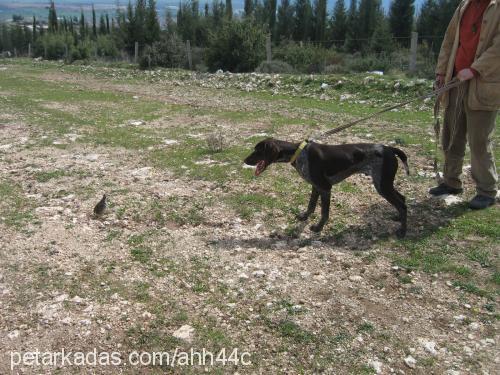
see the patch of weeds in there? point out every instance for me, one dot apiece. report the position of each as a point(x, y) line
point(463, 271)
point(114, 233)
point(141, 291)
point(14, 207)
point(247, 204)
point(480, 256)
point(404, 279)
point(348, 187)
point(472, 288)
point(496, 278)
point(141, 254)
point(366, 327)
point(292, 330)
point(47, 176)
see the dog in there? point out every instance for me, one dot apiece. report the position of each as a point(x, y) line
point(326, 165)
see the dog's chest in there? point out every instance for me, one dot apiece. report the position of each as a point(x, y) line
point(301, 165)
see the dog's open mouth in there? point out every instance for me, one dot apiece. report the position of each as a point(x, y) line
point(261, 166)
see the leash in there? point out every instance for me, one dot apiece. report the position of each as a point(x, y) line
point(455, 82)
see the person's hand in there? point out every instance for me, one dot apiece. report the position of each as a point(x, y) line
point(465, 74)
point(439, 82)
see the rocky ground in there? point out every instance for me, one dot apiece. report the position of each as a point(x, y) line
point(195, 252)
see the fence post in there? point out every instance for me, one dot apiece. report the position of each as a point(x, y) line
point(269, 55)
point(136, 55)
point(15, 52)
point(189, 56)
point(29, 49)
point(66, 54)
point(413, 52)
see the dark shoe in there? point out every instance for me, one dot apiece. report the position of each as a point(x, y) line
point(443, 189)
point(480, 202)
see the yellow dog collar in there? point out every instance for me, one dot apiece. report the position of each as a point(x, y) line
point(298, 151)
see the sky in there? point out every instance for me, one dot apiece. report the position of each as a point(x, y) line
point(29, 8)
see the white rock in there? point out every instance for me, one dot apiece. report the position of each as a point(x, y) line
point(410, 361)
point(169, 142)
point(243, 276)
point(459, 318)
point(136, 122)
point(85, 322)
point(14, 334)
point(430, 346)
point(259, 273)
point(77, 299)
point(66, 321)
point(92, 157)
point(376, 365)
point(450, 199)
point(474, 326)
point(61, 298)
point(146, 315)
point(185, 332)
point(324, 86)
point(355, 278)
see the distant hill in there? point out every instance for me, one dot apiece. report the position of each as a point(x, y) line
point(28, 8)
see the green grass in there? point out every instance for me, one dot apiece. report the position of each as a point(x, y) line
point(15, 208)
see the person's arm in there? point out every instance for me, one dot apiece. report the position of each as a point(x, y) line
point(447, 45)
point(488, 64)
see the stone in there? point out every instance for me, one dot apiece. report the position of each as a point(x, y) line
point(410, 362)
point(185, 332)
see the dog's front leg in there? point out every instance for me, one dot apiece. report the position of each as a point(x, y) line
point(313, 201)
point(325, 212)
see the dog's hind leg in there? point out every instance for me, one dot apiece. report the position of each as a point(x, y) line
point(325, 212)
point(313, 201)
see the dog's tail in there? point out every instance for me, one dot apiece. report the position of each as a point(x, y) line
point(400, 154)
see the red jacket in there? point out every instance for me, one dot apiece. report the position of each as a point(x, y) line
point(470, 30)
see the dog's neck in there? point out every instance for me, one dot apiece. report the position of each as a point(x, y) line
point(286, 151)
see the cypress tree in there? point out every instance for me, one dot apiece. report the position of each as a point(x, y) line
point(107, 24)
point(338, 24)
point(34, 36)
point(319, 20)
point(352, 34)
point(303, 20)
point(248, 8)
point(152, 23)
point(229, 9)
point(401, 19)
point(94, 26)
point(82, 25)
point(53, 26)
point(284, 28)
point(102, 25)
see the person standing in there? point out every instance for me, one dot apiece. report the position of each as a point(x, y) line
point(471, 52)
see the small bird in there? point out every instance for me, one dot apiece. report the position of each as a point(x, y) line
point(100, 207)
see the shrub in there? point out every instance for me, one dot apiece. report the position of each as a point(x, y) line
point(358, 63)
point(53, 46)
point(307, 58)
point(106, 46)
point(169, 52)
point(238, 47)
point(274, 66)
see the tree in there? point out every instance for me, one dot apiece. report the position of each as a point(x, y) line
point(82, 25)
point(52, 20)
point(352, 43)
point(34, 36)
point(108, 30)
point(369, 14)
point(303, 20)
point(229, 9)
point(319, 16)
point(338, 24)
point(272, 16)
point(102, 25)
point(401, 19)
point(152, 23)
point(284, 28)
point(382, 40)
point(94, 26)
point(248, 8)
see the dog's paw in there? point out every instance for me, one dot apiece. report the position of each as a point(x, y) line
point(316, 228)
point(401, 233)
point(303, 216)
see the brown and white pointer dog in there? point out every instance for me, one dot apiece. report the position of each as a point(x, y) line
point(325, 165)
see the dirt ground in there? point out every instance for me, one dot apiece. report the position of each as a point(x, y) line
point(193, 252)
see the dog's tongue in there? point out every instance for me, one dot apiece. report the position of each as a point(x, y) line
point(261, 165)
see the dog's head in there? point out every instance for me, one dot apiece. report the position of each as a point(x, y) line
point(265, 153)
